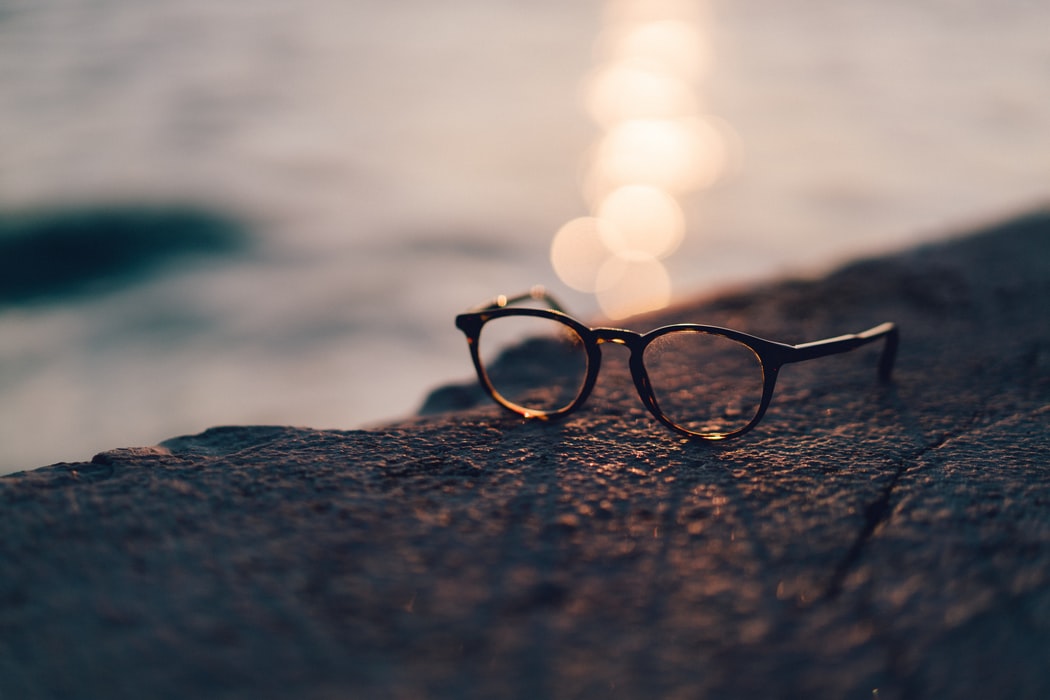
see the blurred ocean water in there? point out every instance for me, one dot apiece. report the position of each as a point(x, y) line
point(385, 165)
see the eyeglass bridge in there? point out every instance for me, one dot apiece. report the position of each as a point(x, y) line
point(617, 336)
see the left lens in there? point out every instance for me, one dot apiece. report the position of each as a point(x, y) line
point(536, 365)
point(705, 383)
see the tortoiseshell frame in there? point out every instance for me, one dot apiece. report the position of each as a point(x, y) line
point(772, 355)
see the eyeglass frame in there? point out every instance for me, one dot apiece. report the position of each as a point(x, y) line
point(771, 355)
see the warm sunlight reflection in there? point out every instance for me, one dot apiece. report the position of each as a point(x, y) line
point(656, 147)
point(679, 155)
point(641, 220)
point(632, 285)
point(578, 252)
point(626, 91)
point(672, 46)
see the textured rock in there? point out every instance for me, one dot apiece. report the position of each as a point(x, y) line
point(865, 540)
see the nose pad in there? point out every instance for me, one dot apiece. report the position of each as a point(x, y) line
point(617, 336)
point(617, 387)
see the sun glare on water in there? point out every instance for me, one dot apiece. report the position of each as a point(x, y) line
point(656, 146)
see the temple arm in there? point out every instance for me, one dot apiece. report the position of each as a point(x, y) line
point(845, 343)
point(537, 293)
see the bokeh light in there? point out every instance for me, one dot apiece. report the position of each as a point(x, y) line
point(671, 46)
point(579, 251)
point(656, 147)
point(635, 11)
point(632, 285)
point(641, 220)
point(678, 155)
point(632, 90)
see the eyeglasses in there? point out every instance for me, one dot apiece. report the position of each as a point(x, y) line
point(701, 381)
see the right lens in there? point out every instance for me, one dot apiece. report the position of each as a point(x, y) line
point(536, 364)
point(705, 383)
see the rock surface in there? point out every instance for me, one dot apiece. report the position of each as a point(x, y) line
point(863, 541)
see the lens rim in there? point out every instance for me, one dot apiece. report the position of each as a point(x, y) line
point(472, 323)
point(768, 367)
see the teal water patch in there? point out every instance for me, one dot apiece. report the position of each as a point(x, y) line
point(58, 254)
